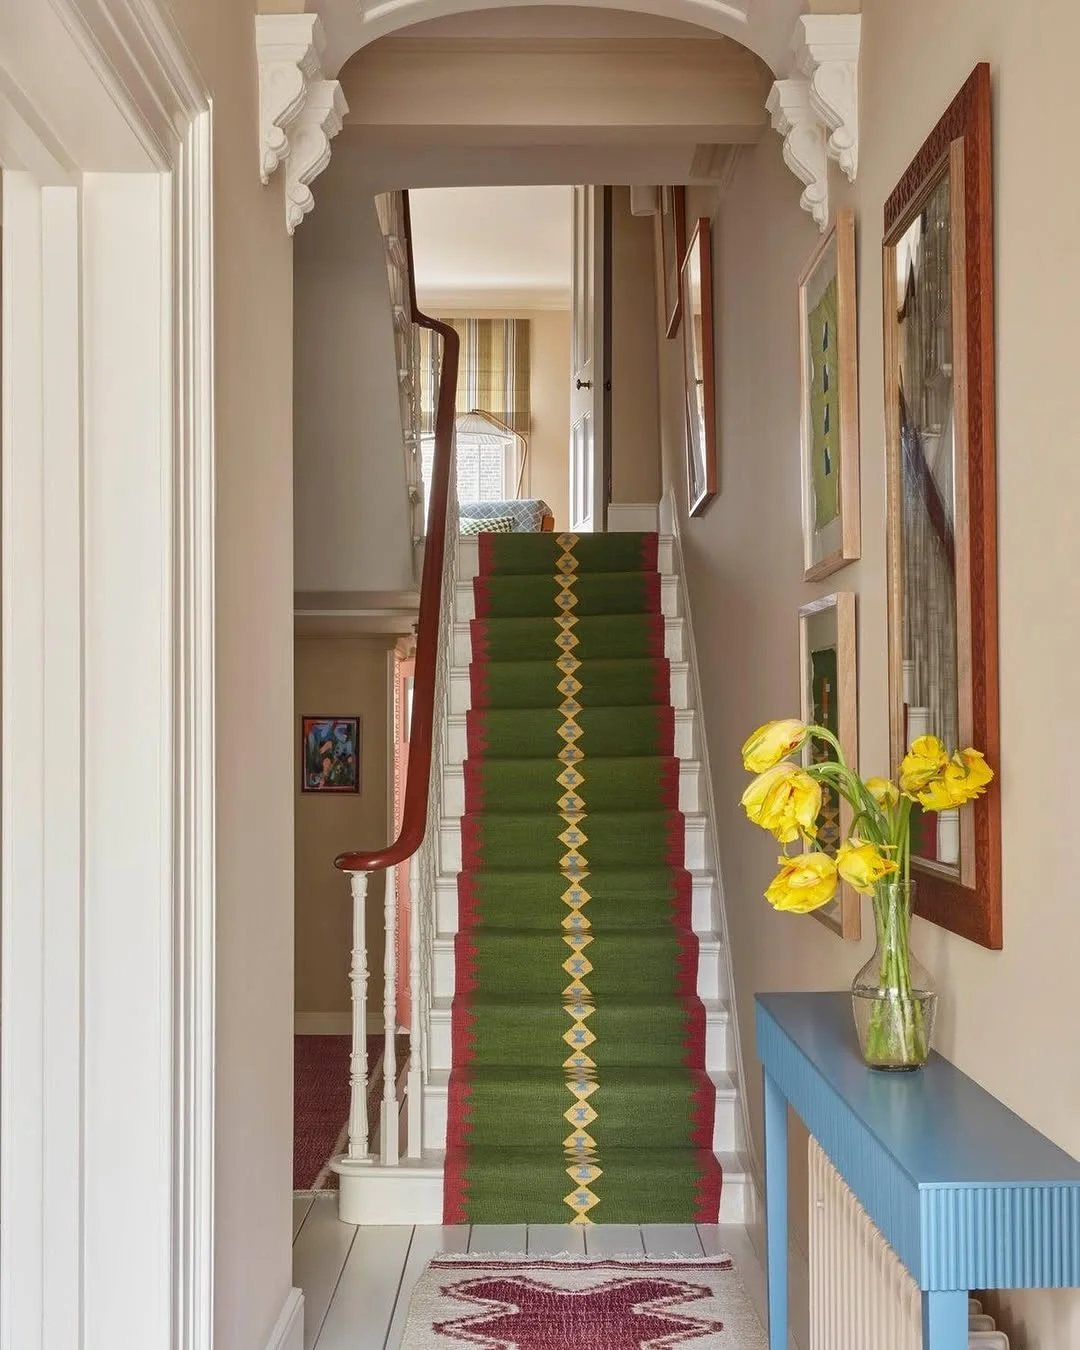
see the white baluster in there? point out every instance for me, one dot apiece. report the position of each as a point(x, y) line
point(358, 976)
point(389, 1118)
point(414, 1094)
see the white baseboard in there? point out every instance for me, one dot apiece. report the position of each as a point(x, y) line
point(632, 516)
point(288, 1332)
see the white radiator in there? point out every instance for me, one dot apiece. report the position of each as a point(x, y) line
point(862, 1296)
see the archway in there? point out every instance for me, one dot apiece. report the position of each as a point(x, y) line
point(764, 28)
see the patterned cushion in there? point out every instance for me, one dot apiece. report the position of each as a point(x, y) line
point(527, 514)
point(496, 525)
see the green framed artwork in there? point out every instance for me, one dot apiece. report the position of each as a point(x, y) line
point(829, 698)
point(829, 389)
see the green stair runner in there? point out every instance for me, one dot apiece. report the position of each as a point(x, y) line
point(578, 1092)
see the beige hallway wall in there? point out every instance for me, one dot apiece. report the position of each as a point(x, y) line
point(341, 676)
point(253, 595)
point(1006, 1018)
point(635, 412)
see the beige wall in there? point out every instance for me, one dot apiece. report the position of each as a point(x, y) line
point(548, 476)
point(347, 676)
point(353, 522)
point(635, 412)
point(253, 340)
point(1006, 1018)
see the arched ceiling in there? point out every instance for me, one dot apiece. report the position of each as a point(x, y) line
point(763, 26)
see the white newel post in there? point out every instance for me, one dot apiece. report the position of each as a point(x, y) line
point(388, 1132)
point(358, 976)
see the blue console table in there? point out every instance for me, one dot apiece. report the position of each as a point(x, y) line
point(966, 1193)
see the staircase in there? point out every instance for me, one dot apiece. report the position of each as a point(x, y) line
point(579, 1063)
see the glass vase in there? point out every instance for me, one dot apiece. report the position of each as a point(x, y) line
point(893, 1002)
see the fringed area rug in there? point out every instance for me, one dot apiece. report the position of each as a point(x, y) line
point(579, 1091)
point(526, 1303)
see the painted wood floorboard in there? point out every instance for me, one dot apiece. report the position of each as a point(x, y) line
point(300, 1206)
point(671, 1239)
point(368, 1291)
point(555, 1239)
point(426, 1243)
point(494, 1239)
point(614, 1239)
point(357, 1282)
point(319, 1254)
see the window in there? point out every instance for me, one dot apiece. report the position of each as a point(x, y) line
point(487, 466)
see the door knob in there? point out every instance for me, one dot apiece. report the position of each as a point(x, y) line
point(583, 384)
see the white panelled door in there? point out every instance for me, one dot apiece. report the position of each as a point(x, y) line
point(588, 487)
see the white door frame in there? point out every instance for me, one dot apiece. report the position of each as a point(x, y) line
point(107, 786)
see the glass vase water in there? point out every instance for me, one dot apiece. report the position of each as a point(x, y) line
point(891, 996)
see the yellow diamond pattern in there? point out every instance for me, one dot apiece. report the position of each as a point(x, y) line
point(580, 1069)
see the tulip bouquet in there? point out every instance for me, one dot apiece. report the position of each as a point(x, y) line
point(786, 799)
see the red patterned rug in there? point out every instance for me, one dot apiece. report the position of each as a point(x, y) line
point(321, 1105)
point(526, 1303)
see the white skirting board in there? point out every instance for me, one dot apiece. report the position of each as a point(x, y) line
point(633, 516)
point(288, 1332)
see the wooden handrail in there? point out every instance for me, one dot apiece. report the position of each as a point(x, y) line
point(422, 731)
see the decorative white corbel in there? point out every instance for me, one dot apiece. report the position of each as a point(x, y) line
point(794, 118)
point(288, 47)
point(827, 53)
point(319, 120)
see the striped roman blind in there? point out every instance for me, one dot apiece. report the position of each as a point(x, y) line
point(493, 375)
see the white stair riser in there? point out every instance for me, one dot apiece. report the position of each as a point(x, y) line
point(708, 982)
point(402, 1195)
point(461, 687)
point(465, 605)
point(674, 642)
point(686, 736)
point(689, 788)
point(446, 904)
point(450, 844)
point(435, 1102)
point(469, 559)
point(717, 1041)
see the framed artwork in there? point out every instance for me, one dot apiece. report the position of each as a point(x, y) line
point(829, 384)
point(330, 754)
point(698, 351)
point(829, 696)
point(672, 252)
point(942, 498)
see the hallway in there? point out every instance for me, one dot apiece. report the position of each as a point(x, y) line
point(357, 1281)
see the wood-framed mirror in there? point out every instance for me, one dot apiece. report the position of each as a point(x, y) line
point(699, 367)
point(942, 498)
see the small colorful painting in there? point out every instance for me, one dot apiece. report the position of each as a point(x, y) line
point(330, 754)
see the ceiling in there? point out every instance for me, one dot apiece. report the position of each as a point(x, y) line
point(492, 247)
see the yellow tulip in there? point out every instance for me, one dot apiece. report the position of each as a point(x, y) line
point(772, 743)
point(863, 865)
point(966, 777)
point(885, 793)
point(784, 800)
point(805, 882)
point(925, 761)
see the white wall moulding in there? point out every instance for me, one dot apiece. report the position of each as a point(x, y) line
point(793, 116)
point(299, 111)
point(116, 426)
point(319, 120)
point(817, 111)
point(827, 54)
point(288, 47)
